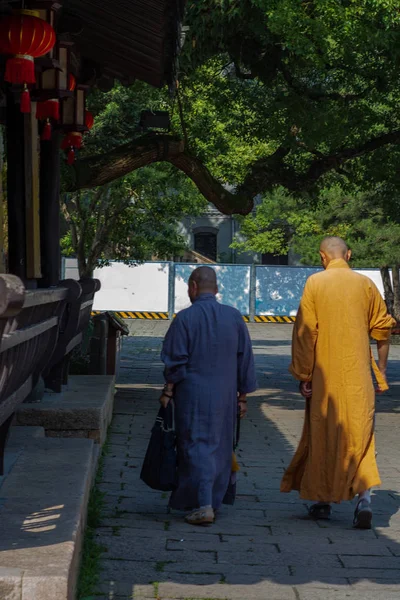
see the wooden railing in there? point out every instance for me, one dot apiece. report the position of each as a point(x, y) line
point(29, 325)
point(73, 325)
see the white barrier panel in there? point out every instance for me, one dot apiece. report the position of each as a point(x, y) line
point(233, 285)
point(133, 288)
point(145, 287)
point(279, 289)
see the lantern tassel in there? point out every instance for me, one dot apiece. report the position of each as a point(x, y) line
point(71, 156)
point(46, 133)
point(48, 109)
point(25, 101)
point(20, 70)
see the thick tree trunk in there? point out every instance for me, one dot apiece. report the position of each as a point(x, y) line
point(82, 267)
point(99, 170)
point(388, 289)
point(396, 292)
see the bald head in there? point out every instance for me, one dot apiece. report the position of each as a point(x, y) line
point(332, 248)
point(203, 280)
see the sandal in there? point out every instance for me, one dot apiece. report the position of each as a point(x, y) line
point(320, 511)
point(201, 516)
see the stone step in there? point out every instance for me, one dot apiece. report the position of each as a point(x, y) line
point(43, 504)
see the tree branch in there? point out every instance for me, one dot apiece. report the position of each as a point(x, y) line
point(101, 169)
point(265, 173)
point(317, 95)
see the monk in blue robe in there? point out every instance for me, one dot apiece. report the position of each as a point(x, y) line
point(209, 369)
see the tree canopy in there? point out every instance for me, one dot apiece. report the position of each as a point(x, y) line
point(282, 222)
point(272, 92)
point(133, 217)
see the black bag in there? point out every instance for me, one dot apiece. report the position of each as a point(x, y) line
point(159, 470)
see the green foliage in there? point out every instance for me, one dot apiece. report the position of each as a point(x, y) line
point(282, 222)
point(317, 78)
point(272, 93)
point(276, 220)
point(135, 217)
point(92, 551)
point(130, 220)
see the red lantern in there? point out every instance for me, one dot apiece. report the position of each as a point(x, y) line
point(71, 82)
point(24, 36)
point(71, 143)
point(89, 119)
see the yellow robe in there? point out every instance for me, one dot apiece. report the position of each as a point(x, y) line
point(339, 311)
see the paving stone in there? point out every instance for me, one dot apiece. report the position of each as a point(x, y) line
point(264, 547)
point(273, 558)
point(128, 572)
point(124, 589)
point(260, 591)
point(315, 594)
point(370, 562)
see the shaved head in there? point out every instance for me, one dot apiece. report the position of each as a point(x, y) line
point(205, 277)
point(203, 280)
point(332, 248)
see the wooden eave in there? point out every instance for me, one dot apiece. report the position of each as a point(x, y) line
point(129, 39)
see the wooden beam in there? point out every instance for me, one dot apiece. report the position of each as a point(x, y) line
point(16, 189)
point(31, 171)
point(50, 211)
point(2, 223)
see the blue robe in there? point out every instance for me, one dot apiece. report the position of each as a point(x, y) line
point(208, 355)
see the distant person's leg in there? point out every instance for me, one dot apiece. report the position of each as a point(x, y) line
point(363, 512)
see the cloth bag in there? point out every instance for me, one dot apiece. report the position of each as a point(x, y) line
point(159, 470)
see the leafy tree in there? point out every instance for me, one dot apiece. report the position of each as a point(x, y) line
point(282, 222)
point(134, 217)
point(273, 92)
point(128, 220)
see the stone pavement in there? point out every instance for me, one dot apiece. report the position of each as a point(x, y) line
point(264, 547)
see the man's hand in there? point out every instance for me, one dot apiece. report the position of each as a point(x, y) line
point(242, 401)
point(306, 389)
point(383, 355)
point(165, 400)
point(167, 394)
point(378, 390)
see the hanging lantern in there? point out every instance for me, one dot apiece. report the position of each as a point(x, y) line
point(71, 82)
point(24, 36)
point(70, 144)
point(73, 110)
point(89, 119)
point(54, 83)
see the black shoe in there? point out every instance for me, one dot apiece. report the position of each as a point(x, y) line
point(320, 511)
point(363, 515)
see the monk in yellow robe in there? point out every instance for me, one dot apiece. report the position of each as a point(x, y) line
point(331, 356)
